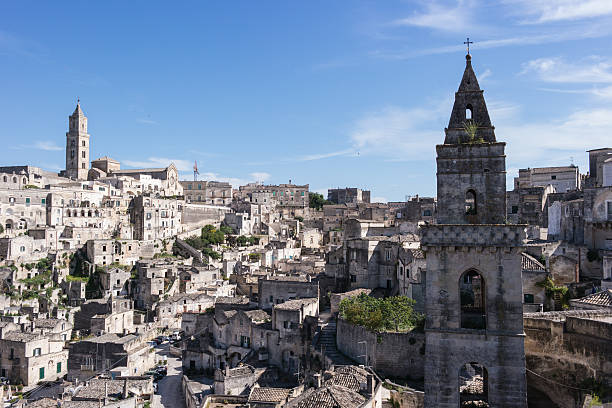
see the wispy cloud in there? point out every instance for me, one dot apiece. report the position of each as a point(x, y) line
point(319, 156)
point(260, 176)
point(181, 164)
point(47, 146)
point(592, 70)
point(399, 133)
point(547, 11)
point(438, 16)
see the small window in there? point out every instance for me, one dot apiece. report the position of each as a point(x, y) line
point(41, 373)
point(553, 177)
point(515, 209)
point(59, 365)
point(353, 278)
point(43, 201)
point(528, 298)
point(37, 351)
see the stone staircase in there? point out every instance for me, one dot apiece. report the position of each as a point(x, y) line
point(327, 342)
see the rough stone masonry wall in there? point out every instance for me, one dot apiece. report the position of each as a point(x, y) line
point(477, 167)
point(398, 355)
point(567, 348)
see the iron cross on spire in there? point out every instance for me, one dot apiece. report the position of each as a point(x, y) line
point(468, 42)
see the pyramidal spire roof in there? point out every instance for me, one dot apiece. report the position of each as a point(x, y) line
point(78, 111)
point(470, 108)
point(469, 81)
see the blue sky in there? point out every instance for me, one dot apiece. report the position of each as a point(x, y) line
point(334, 94)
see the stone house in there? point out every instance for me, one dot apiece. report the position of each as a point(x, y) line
point(311, 238)
point(155, 279)
point(155, 218)
point(195, 278)
point(348, 195)
point(112, 315)
point(207, 192)
point(411, 272)
point(564, 178)
point(114, 281)
point(277, 289)
point(30, 357)
point(108, 251)
point(170, 310)
point(130, 354)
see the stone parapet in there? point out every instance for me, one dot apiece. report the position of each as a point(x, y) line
point(483, 235)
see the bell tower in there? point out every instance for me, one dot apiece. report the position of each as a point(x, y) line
point(77, 145)
point(474, 338)
point(471, 163)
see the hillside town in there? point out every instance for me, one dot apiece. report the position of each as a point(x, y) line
point(141, 288)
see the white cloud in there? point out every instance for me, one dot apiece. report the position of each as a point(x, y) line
point(319, 156)
point(47, 146)
point(457, 18)
point(154, 162)
point(399, 133)
point(260, 176)
point(547, 11)
point(554, 142)
point(592, 70)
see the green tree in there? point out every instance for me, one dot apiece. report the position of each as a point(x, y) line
point(394, 313)
point(317, 201)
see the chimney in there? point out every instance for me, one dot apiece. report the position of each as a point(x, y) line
point(371, 384)
point(125, 388)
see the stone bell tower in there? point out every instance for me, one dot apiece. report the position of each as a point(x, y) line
point(474, 317)
point(77, 145)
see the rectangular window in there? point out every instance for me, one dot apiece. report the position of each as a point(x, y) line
point(27, 200)
point(199, 186)
point(353, 278)
point(553, 177)
point(189, 186)
point(609, 208)
point(41, 373)
point(37, 351)
point(302, 194)
point(528, 298)
point(43, 201)
point(59, 367)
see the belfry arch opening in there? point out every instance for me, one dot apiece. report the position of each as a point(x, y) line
point(473, 385)
point(469, 111)
point(473, 300)
point(471, 204)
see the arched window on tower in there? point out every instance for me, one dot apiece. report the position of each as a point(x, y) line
point(469, 112)
point(473, 300)
point(473, 385)
point(471, 207)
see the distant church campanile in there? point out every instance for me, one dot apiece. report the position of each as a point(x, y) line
point(77, 145)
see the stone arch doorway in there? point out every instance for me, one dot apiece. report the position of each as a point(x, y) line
point(472, 296)
point(473, 386)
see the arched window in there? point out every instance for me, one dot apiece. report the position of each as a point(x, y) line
point(473, 385)
point(14, 179)
point(471, 207)
point(25, 181)
point(473, 300)
point(5, 179)
point(468, 112)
